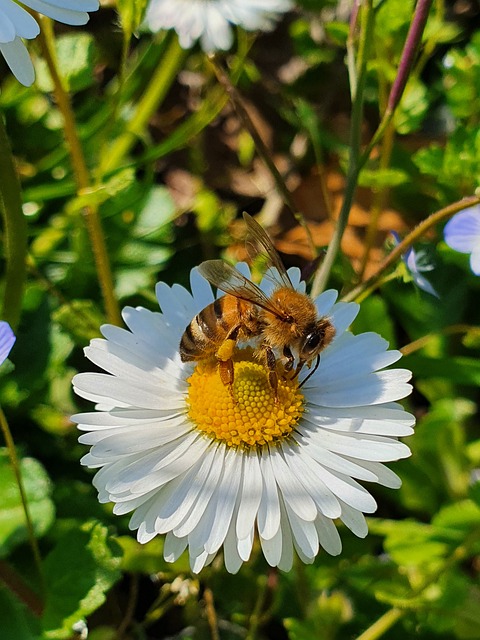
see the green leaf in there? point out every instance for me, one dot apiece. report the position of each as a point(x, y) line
point(76, 56)
point(411, 543)
point(142, 558)
point(81, 319)
point(131, 14)
point(157, 211)
point(460, 370)
point(78, 572)
point(17, 622)
point(412, 108)
point(13, 529)
point(381, 178)
point(467, 616)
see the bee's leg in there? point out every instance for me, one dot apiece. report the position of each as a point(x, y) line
point(224, 356)
point(271, 363)
point(288, 355)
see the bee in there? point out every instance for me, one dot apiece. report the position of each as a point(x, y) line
point(286, 323)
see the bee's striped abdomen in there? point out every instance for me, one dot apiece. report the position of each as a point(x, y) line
point(209, 328)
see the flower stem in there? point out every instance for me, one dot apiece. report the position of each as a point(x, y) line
point(82, 176)
point(211, 613)
point(383, 624)
point(418, 344)
point(15, 232)
point(23, 496)
point(354, 166)
point(260, 146)
point(157, 89)
point(435, 218)
point(412, 43)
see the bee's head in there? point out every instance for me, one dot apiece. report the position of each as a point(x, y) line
point(316, 338)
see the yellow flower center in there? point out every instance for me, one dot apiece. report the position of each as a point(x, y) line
point(251, 416)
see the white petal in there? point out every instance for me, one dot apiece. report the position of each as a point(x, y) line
point(17, 58)
point(354, 520)
point(269, 510)
point(251, 493)
point(328, 535)
point(293, 492)
point(174, 547)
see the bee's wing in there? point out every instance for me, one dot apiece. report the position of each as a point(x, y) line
point(231, 281)
point(259, 240)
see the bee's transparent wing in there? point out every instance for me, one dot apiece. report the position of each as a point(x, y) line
point(231, 281)
point(259, 244)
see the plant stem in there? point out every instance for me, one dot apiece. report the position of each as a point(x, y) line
point(81, 173)
point(23, 496)
point(383, 624)
point(413, 236)
point(380, 198)
point(354, 165)
point(418, 344)
point(157, 89)
point(15, 232)
point(412, 43)
point(211, 613)
point(393, 615)
point(260, 146)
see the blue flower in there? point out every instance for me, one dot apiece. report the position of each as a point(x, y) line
point(7, 339)
point(462, 233)
point(416, 263)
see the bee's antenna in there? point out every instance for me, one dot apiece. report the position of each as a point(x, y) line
point(311, 372)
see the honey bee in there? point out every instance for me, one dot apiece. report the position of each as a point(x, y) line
point(286, 323)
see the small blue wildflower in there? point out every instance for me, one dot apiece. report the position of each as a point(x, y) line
point(417, 263)
point(7, 339)
point(462, 233)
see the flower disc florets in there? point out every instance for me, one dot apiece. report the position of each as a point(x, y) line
point(248, 416)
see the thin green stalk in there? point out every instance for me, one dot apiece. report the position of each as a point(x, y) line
point(15, 232)
point(260, 146)
point(160, 83)
point(435, 218)
point(82, 176)
point(383, 624)
point(23, 496)
point(393, 615)
point(354, 166)
point(418, 344)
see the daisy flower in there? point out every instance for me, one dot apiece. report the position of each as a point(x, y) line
point(417, 264)
point(462, 233)
point(16, 23)
point(211, 20)
point(7, 340)
point(175, 450)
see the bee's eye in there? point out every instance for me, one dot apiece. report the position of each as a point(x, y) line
point(311, 342)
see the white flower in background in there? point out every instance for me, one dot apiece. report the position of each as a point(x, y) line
point(462, 233)
point(7, 340)
point(177, 452)
point(16, 23)
point(210, 20)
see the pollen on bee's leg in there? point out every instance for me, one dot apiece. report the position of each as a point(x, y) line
point(257, 413)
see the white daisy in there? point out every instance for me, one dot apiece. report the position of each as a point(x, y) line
point(16, 23)
point(173, 447)
point(211, 20)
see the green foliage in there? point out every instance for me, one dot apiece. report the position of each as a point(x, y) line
point(80, 569)
point(13, 530)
